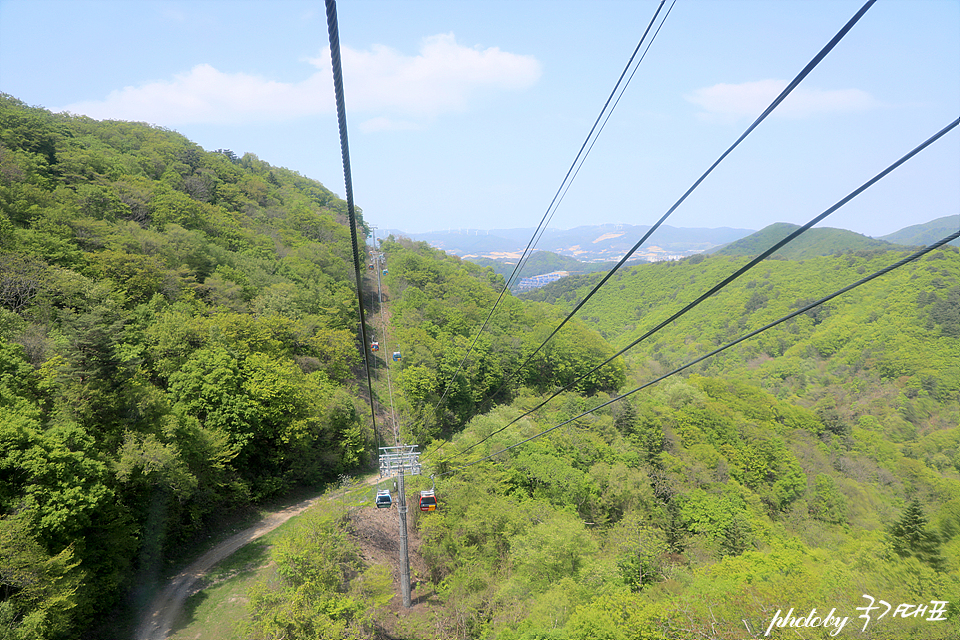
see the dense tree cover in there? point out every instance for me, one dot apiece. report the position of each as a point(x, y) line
point(818, 463)
point(815, 464)
point(697, 510)
point(814, 242)
point(438, 305)
point(689, 511)
point(176, 341)
point(895, 333)
point(321, 588)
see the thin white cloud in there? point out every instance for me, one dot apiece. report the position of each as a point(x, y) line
point(442, 78)
point(206, 95)
point(386, 85)
point(731, 101)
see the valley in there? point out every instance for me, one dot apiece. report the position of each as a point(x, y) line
point(178, 349)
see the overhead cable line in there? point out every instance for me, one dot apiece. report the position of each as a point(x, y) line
point(564, 185)
point(383, 329)
point(773, 105)
point(334, 35)
point(736, 274)
point(610, 113)
point(804, 309)
point(581, 159)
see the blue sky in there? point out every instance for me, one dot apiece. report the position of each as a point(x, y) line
point(467, 114)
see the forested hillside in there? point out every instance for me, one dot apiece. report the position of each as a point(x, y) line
point(438, 304)
point(176, 341)
point(923, 234)
point(813, 243)
point(801, 470)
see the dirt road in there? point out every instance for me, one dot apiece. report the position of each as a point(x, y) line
point(157, 622)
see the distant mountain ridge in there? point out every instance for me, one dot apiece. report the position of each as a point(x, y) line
point(924, 234)
point(590, 243)
point(813, 243)
point(597, 247)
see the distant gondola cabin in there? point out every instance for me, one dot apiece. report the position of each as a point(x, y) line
point(396, 356)
point(374, 346)
point(428, 501)
point(384, 500)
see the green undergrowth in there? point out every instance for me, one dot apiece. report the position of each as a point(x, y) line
point(220, 609)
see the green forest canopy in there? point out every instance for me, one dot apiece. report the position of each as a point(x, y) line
point(177, 340)
point(817, 463)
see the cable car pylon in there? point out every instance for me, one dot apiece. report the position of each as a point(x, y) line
point(400, 461)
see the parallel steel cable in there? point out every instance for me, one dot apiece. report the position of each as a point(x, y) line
point(570, 183)
point(334, 36)
point(796, 81)
point(736, 274)
point(597, 136)
point(565, 184)
point(383, 330)
point(773, 105)
point(804, 309)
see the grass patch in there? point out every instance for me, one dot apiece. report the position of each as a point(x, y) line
point(219, 608)
point(214, 612)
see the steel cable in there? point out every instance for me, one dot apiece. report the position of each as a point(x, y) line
point(793, 314)
point(334, 35)
point(773, 105)
point(565, 184)
point(736, 274)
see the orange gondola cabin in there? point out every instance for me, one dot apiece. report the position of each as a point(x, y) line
point(428, 501)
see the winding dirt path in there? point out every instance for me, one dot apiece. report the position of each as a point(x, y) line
point(157, 622)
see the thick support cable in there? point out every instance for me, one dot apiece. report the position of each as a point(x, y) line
point(793, 314)
point(334, 35)
point(736, 274)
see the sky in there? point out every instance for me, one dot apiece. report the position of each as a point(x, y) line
point(467, 114)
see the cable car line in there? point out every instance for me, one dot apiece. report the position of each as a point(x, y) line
point(793, 314)
point(773, 105)
point(334, 36)
point(561, 190)
point(377, 257)
point(616, 102)
point(378, 262)
point(736, 274)
point(796, 81)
